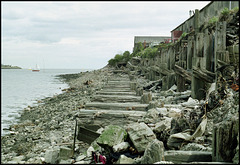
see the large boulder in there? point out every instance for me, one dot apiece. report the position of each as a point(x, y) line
point(140, 135)
point(112, 135)
point(154, 153)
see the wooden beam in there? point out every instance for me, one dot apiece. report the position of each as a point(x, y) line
point(183, 73)
point(203, 74)
point(163, 71)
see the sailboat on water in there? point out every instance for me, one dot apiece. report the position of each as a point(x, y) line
point(37, 69)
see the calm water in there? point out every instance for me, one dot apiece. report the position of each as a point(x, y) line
point(22, 87)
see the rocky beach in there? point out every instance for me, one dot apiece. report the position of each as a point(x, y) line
point(171, 123)
point(173, 103)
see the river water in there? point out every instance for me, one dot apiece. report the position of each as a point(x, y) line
point(22, 87)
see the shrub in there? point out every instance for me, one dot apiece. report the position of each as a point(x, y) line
point(149, 52)
point(112, 62)
point(234, 10)
point(119, 58)
point(126, 55)
point(138, 48)
point(213, 20)
point(225, 11)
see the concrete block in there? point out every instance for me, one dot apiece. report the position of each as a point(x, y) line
point(187, 156)
point(51, 156)
point(236, 49)
point(65, 153)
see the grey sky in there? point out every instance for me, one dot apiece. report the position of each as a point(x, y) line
point(83, 34)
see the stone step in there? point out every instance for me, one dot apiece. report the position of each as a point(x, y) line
point(115, 98)
point(109, 117)
point(118, 82)
point(117, 90)
point(119, 79)
point(115, 93)
point(117, 106)
point(116, 86)
point(208, 163)
point(178, 156)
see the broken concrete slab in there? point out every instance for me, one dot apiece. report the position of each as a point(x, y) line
point(115, 93)
point(163, 125)
point(154, 152)
point(107, 117)
point(208, 163)
point(116, 86)
point(140, 134)
point(111, 136)
point(121, 147)
point(117, 90)
point(115, 98)
point(65, 153)
point(125, 160)
point(51, 156)
point(117, 106)
point(178, 156)
point(152, 116)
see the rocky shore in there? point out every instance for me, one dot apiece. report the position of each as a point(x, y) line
point(50, 123)
point(170, 128)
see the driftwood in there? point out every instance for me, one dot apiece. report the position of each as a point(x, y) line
point(153, 85)
point(203, 74)
point(182, 72)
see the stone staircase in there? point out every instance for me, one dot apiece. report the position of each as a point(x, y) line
point(115, 104)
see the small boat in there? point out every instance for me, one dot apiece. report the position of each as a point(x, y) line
point(36, 69)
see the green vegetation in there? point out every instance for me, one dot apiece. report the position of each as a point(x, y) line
point(184, 34)
point(213, 20)
point(234, 10)
point(139, 51)
point(138, 48)
point(125, 57)
point(9, 67)
point(149, 52)
point(225, 12)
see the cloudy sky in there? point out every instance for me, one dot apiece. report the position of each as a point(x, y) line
point(82, 34)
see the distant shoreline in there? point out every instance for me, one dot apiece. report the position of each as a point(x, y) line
point(10, 67)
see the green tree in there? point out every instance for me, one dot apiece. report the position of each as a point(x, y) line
point(138, 48)
point(126, 56)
